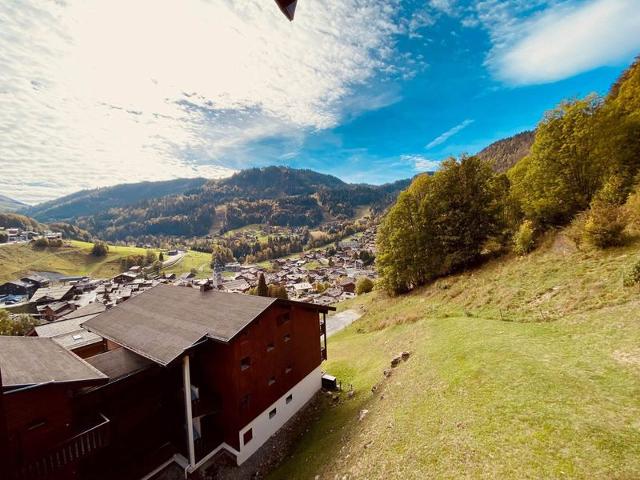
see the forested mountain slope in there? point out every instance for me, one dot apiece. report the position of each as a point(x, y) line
point(505, 153)
point(272, 195)
point(10, 205)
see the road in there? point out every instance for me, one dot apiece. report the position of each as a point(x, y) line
point(337, 322)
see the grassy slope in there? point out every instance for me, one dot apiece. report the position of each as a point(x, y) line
point(489, 394)
point(76, 259)
point(193, 260)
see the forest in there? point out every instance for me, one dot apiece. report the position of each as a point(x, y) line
point(582, 170)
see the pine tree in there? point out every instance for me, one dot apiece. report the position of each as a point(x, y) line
point(262, 289)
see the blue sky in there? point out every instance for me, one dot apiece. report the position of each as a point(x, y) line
point(98, 93)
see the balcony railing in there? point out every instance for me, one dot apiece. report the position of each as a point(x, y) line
point(71, 450)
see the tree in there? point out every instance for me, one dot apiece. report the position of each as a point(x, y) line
point(161, 256)
point(523, 239)
point(440, 224)
point(262, 289)
point(19, 325)
point(4, 238)
point(607, 217)
point(150, 257)
point(278, 291)
point(364, 285)
point(40, 243)
point(100, 249)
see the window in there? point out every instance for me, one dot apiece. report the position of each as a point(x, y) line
point(272, 413)
point(282, 319)
point(272, 380)
point(247, 436)
point(289, 369)
point(270, 347)
point(289, 399)
point(244, 402)
point(286, 337)
point(245, 363)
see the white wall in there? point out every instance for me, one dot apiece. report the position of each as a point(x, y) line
point(264, 427)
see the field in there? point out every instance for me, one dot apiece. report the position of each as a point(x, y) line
point(198, 261)
point(525, 368)
point(75, 259)
point(72, 259)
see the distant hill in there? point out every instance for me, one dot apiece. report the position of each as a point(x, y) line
point(91, 202)
point(10, 205)
point(505, 153)
point(271, 195)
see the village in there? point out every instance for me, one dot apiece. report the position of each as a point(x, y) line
point(323, 276)
point(153, 334)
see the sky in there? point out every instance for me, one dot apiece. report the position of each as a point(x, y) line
point(96, 93)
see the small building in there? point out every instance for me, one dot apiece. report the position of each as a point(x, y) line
point(17, 287)
point(56, 293)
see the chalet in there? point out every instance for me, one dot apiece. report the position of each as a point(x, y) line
point(17, 287)
point(348, 285)
point(239, 286)
point(126, 277)
point(38, 281)
point(40, 435)
point(188, 373)
point(54, 294)
point(55, 310)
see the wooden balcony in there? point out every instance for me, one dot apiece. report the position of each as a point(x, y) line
point(68, 452)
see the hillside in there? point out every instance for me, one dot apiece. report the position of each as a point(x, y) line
point(505, 153)
point(75, 259)
point(524, 368)
point(91, 202)
point(274, 195)
point(10, 205)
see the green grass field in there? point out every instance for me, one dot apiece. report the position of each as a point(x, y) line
point(525, 368)
point(72, 259)
point(75, 259)
point(198, 261)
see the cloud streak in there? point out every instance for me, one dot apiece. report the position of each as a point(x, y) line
point(440, 139)
point(95, 93)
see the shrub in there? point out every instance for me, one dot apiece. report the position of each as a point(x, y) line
point(100, 249)
point(632, 277)
point(523, 239)
point(3, 237)
point(18, 325)
point(40, 243)
point(605, 225)
point(364, 285)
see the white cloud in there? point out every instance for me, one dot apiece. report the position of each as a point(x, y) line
point(95, 93)
point(421, 163)
point(561, 40)
point(440, 139)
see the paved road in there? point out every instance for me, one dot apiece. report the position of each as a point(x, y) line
point(337, 322)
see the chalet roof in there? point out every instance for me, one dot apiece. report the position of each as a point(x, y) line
point(119, 363)
point(164, 321)
point(34, 360)
point(68, 332)
point(84, 312)
point(52, 293)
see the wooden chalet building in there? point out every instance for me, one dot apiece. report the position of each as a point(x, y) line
point(188, 373)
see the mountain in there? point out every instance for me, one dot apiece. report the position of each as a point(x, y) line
point(91, 202)
point(271, 195)
point(10, 205)
point(505, 153)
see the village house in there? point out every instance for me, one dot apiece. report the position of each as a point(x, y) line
point(188, 373)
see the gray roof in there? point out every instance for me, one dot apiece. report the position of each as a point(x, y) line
point(69, 333)
point(52, 293)
point(164, 321)
point(91, 309)
point(34, 360)
point(119, 363)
